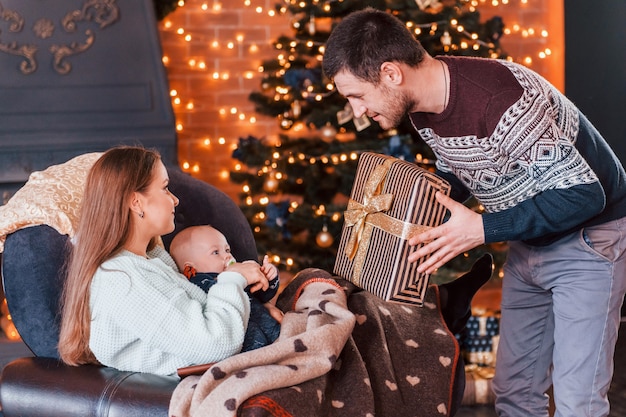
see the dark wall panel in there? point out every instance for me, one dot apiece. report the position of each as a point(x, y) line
point(79, 76)
point(595, 65)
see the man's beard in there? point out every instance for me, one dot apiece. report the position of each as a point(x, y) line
point(398, 105)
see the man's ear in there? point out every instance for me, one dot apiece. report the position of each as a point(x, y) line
point(391, 73)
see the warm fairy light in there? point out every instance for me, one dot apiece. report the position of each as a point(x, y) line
point(224, 174)
point(230, 45)
point(190, 106)
point(165, 59)
point(206, 141)
point(179, 127)
point(180, 31)
point(173, 93)
point(221, 140)
point(176, 101)
point(222, 112)
point(259, 9)
point(185, 165)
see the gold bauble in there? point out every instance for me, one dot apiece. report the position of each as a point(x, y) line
point(324, 239)
point(328, 132)
point(270, 185)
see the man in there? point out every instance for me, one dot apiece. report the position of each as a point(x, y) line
point(550, 185)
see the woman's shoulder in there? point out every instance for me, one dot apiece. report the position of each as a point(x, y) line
point(133, 265)
point(130, 272)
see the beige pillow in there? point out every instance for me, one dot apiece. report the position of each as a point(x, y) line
point(50, 197)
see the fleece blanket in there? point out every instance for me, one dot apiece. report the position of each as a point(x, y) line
point(342, 352)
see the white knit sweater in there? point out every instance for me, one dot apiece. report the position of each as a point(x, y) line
point(147, 317)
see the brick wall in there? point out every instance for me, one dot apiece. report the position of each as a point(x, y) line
point(213, 50)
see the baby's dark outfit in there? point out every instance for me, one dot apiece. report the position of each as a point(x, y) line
point(262, 329)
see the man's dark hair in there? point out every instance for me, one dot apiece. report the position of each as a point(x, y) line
point(363, 40)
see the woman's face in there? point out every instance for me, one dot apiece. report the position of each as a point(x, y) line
point(158, 203)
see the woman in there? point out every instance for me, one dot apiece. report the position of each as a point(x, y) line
point(125, 304)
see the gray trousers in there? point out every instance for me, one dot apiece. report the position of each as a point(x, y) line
point(560, 317)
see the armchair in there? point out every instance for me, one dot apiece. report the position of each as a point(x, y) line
point(42, 385)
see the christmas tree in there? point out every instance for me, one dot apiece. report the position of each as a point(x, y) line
point(296, 187)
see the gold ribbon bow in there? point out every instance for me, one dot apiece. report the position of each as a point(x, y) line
point(373, 202)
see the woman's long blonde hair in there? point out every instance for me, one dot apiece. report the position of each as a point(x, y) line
point(103, 229)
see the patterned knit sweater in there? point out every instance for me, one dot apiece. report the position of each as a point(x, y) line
point(524, 151)
point(146, 317)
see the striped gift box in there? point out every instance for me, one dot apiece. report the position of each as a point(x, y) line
point(391, 200)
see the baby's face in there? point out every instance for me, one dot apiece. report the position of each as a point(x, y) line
point(211, 251)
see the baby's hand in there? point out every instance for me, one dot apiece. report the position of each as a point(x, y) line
point(269, 269)
point(252, 273)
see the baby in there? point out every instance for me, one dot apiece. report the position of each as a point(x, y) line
point(201, 253)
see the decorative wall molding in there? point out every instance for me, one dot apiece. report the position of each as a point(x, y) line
point(102, 12)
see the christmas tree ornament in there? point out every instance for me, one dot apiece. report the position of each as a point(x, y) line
point(311, 26)
point(430, 6)
point(271, 184)
point(296, 109)
point(285, 120)
point(446, 39)
point(362, 123)
point(328, 132)
point(324, 239)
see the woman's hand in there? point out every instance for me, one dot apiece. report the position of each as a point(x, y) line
point(253, 274)
point(274, 311)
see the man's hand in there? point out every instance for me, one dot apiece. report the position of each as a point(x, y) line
point(462, 232)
